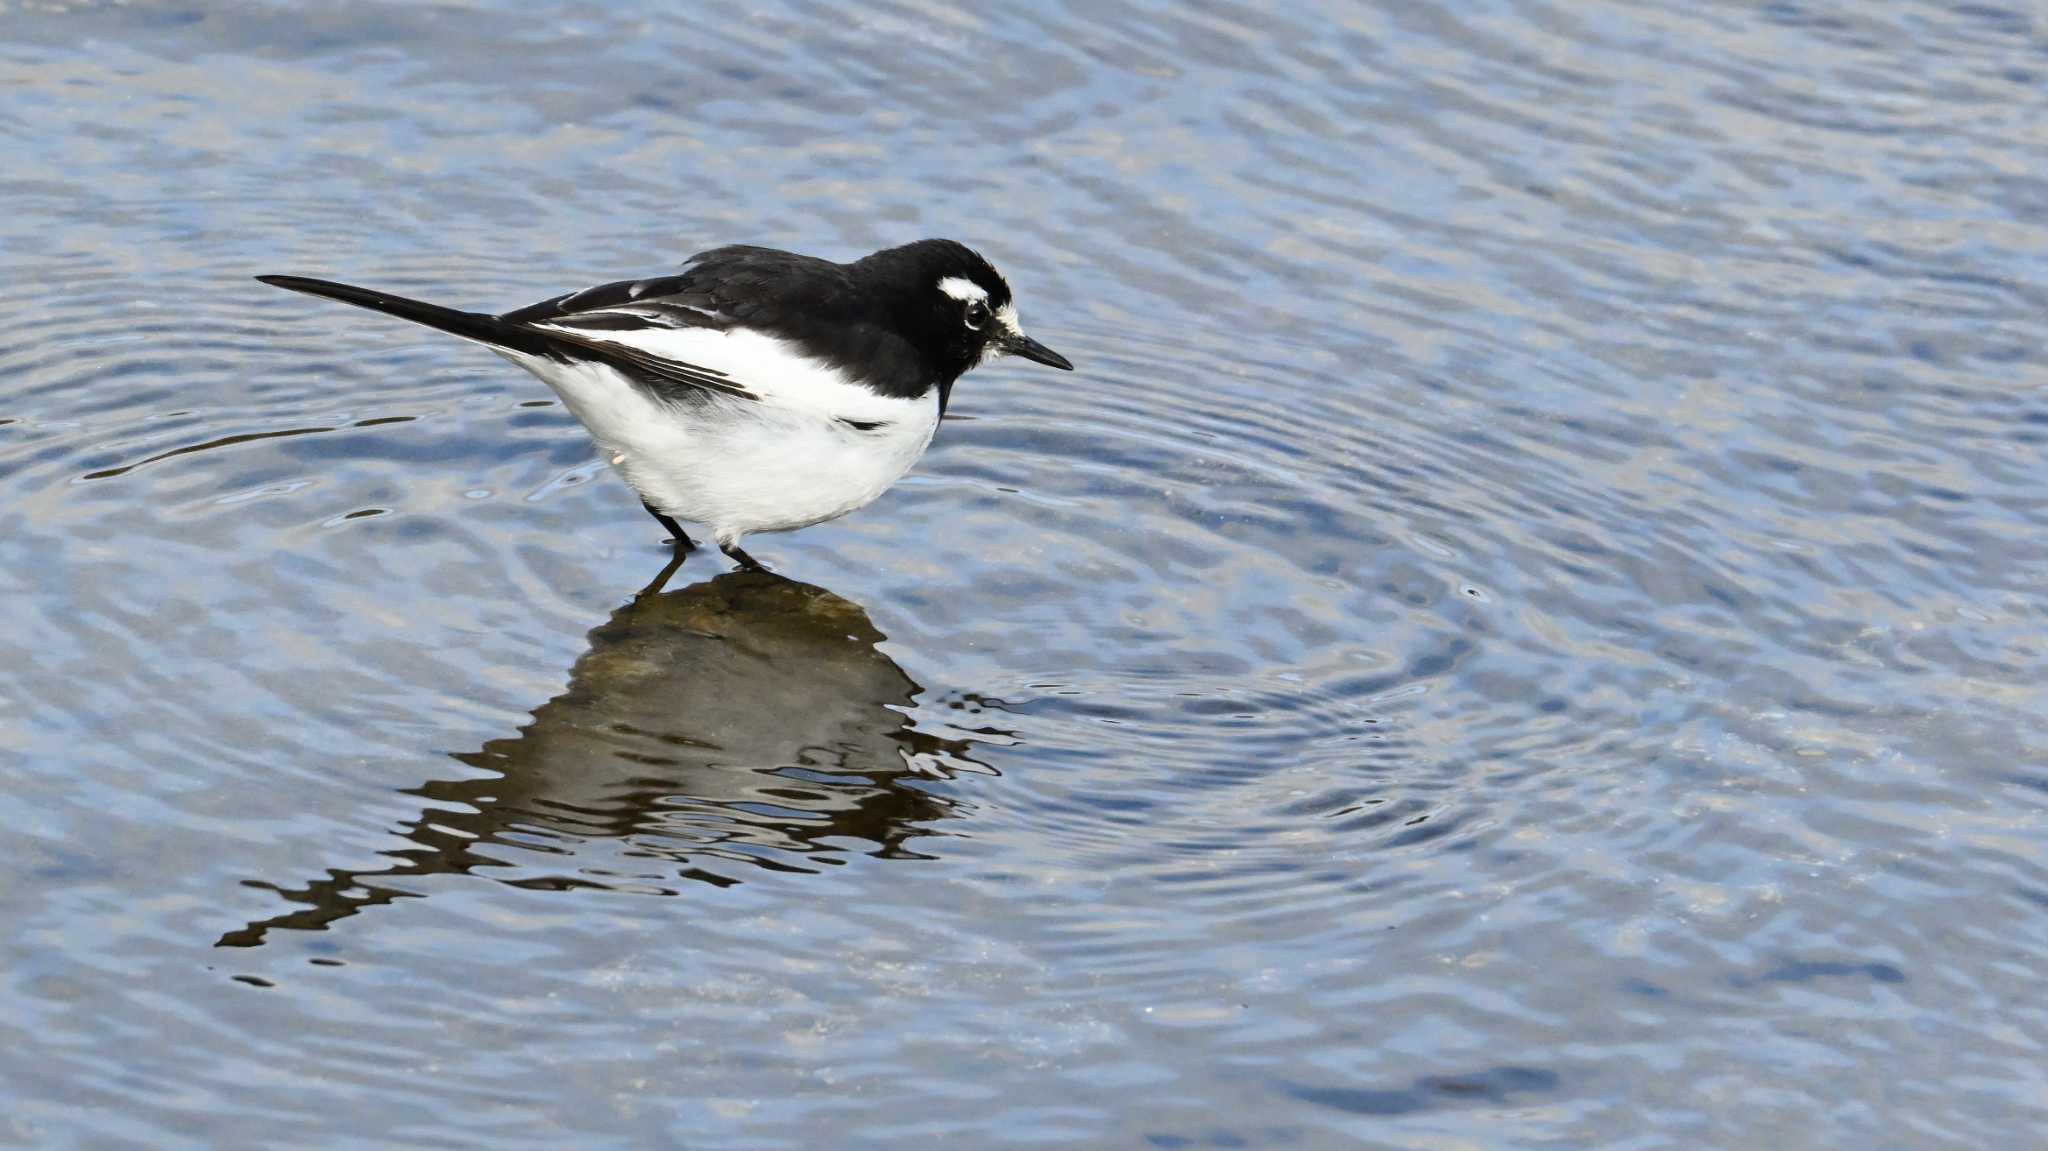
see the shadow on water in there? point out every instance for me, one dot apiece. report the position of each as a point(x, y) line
point(748, 721)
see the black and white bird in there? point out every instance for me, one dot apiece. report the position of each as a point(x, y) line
point(755, 390)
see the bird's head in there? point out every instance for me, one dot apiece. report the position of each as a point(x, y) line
point(961, 306)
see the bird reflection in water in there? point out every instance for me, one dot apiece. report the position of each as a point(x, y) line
point(749, 721)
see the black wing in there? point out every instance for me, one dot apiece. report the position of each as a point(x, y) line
point(623, 305)
point(738, 284)
point(814, 304)
point(717, 289)
point(583, 320)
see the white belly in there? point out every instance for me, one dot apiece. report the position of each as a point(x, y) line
point(743, 466)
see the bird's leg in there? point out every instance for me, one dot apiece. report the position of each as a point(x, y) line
point(741, 558)
point(682, 538)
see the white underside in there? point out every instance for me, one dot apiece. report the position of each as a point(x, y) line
point(739, 466)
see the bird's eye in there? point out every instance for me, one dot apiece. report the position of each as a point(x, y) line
point(977, 313)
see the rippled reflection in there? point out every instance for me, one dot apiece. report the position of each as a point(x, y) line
point(745, 721)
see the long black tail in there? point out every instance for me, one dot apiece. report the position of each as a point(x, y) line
point(469, 325)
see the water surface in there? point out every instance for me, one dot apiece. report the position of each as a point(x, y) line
point(1525, 630)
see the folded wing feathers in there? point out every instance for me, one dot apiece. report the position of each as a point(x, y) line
point(669, 379)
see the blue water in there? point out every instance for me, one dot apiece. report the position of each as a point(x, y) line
point(1524, 631)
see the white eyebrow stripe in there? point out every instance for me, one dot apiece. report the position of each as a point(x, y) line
point(963, 289)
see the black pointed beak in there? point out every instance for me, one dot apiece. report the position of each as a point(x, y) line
point(1023, 345)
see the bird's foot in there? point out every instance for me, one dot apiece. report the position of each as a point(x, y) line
point(741, 558)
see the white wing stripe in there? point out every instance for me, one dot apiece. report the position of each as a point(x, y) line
point(772, 369)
